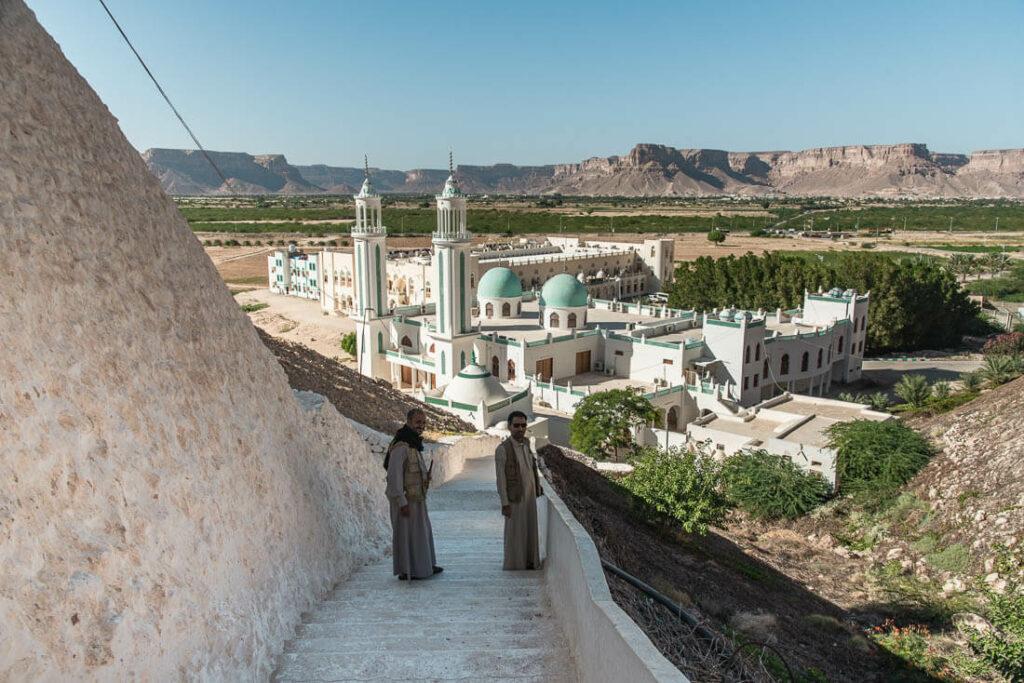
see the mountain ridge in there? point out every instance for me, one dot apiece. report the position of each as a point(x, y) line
point(905, 170)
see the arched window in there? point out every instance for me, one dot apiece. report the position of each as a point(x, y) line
point(856, 323)
point(519, 309)
point(489, 310)
point(406, 342)
point(755, 380)
point(784, 365)
point(506, 309)
point(495, 366)
point(863, 323)
point(840, 349)
point(672, 419)
point(746, 354)
point(553, 320)
point(821, 352)
point(511, 369)
point(380, 342)
point(462, 359)
point(757, 351)
point(442, 363)
point(805, 361)
point(472, 280)
point(572, 320)
point(764, 372)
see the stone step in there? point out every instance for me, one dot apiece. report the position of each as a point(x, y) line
point(392, 614)
point(430, 640)
point(412, 663)
point(544, 628)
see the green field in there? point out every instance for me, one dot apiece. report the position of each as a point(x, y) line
point(967, 216)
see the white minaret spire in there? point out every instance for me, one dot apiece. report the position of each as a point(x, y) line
point(452, 259)
point(370, 251)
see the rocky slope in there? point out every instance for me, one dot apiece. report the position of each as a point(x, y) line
point(906, 170)
point(168, 508)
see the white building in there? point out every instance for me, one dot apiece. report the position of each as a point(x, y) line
point(482, 348)
point(294, 273)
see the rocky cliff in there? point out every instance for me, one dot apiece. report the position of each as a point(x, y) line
point(906, 170)
point(168, 509)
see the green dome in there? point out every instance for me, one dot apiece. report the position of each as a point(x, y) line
point(499, 283)
point(563, 291)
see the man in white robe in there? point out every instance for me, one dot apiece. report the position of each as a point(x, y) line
point(518, 486)
point(408, 480)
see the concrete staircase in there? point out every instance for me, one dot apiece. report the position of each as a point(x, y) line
point(473, 622)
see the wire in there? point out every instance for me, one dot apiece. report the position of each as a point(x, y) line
point(164, 94)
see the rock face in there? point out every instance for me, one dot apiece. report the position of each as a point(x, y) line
point(908, 170)
point(168, 509)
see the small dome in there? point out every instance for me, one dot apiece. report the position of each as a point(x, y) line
point(726, 314)
point(600, 275)
point(563, 291)
point(741, 316)
point(581, 277)
point(835, 292)
point(451, 188)
point(499, 283)
point(474, 384)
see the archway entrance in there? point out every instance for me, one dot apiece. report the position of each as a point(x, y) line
point(495, 366)
point(672, 420)
point(511, 370)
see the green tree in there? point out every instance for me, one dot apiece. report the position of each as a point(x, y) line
point(348, 344)
point(913, 389)
point(940, 390)
point(604, 422)
point(877, 457)
point(715, 235)
point(681, 485)
point(996, 262)
point(971, 381)
point(771, 486)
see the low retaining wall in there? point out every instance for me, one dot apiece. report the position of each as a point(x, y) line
point(607, 644)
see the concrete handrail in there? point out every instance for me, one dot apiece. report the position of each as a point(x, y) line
point(608, 645)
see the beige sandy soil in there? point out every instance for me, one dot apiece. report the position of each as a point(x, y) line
point(300, 321)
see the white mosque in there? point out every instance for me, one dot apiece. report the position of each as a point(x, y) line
point(737, 378)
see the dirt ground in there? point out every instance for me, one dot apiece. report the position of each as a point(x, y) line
point(300, 321)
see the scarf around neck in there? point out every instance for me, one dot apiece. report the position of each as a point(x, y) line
point(406, 435)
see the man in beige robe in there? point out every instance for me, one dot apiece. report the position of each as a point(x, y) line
point(518, 486)
point(412, 540)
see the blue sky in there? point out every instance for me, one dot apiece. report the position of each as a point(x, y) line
point(546, 82)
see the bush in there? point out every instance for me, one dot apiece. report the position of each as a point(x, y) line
point(254, 306)
point(877, 457)
point(1000, 369)
point(940, 391)
point(348, 344)
point(1009, 344)
point(971, 381)
point(758, 232)
point(913, 389)
point(680, 485)
point(715, 235)
point(771, 486)
point(1002, 645)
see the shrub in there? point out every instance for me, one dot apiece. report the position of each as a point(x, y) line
point(1000, 369)
point(971, 381)
point(877, 457)
point(348, 343)
point(254, 306)
point(1002, 645)
point(603, 423)
point(913, 389)
point(715, 235)
point(867, 245)
point(940, 391)
point(771, 486)
point(878, 401)
point(681, 485)
point(1009, 344)
point(758, 232)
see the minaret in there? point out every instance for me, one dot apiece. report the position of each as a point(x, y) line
point(451, 260)
point(370, 252)
point(369, 257)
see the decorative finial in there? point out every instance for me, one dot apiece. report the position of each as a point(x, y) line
point(451, 162)
point(366, 166)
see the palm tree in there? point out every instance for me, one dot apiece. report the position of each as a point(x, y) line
point(959, 264)
point(940, 390)
point(1000, 369)
point(971, 381)
point(913, 389)
point(878, 400)
point(997, 262)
